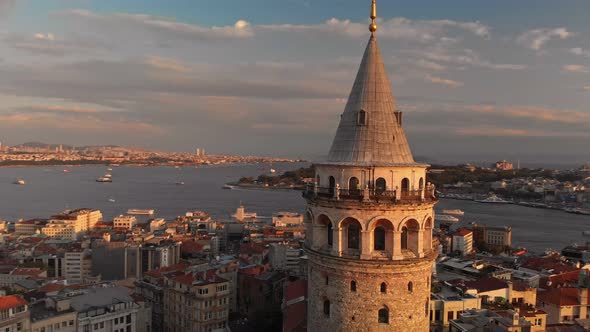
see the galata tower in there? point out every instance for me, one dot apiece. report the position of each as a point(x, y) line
point(369, 217)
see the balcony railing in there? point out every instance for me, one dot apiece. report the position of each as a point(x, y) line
point(374, 195)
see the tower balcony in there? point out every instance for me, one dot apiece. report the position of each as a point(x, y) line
point(372, 195)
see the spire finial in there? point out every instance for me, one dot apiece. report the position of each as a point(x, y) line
point(373, 26)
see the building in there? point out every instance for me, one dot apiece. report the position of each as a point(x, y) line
point(29, 227)
point(494, 237)
point(14, 314)
point(448, 302)
point(503, 165)
point(151, 256)
point(564, 305)
point(369, 217)
point(108, 309)
point(78, 265)
point(196, 302)
point(463, 242)
point(124, 222)
point(286, 258)
point(53, 314)
point(487, 320)
point(286, 219)
point(72, 223)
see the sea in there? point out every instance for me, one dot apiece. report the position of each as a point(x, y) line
point(50, 190)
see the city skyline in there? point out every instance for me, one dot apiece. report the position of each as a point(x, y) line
point(474, 83)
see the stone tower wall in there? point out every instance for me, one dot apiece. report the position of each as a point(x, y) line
point(331, 277)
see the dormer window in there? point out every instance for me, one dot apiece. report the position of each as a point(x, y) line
point(362, 118)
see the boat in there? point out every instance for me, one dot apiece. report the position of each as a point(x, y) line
point(272, 170)
point(493, 199)
point(581, 211)
point(227, 186)
point(180, 183)
point(112, 200)
point(104, 179)
point(108, 176)
point(148, 212)
point(446, 218)
point(66, 171)
point(454, 212)
point(177, 167)
point(586, 233)
point(109, 169)
point(20, 182)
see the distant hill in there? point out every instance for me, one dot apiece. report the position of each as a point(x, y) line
point(41, 145)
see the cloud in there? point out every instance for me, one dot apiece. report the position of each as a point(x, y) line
point(536, 114)
point(241, 29)
point(63, 109)
point(587, 88)
point(6, 7)
point(468, 58)
point(575, 68)
point(537, 38)
point(580, 51)
point(168, 64)
point(493, 132)
point(42, 36)
point(442, 81)
point(395, 28)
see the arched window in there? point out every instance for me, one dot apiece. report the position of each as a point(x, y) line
point(353, 286)
point(380, 186)
point(404, 237)
point(332, 185)
point(317, 180)
point(354, 235)
point(330, 234)
point(362, 118)
point(410, 287)
point(384, 316)
point(379, 239)
point(421, 183)
point(383, 287)
point(405, 186)
point(327, 280)
point(327, 308)
point(354, 186)
point(426, 309)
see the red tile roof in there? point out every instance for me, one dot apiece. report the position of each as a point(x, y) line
point(560, 296)
point(463, 232)
point(27, 272)
point(548, 264)
point(187, 279)
point(482, 285)
point(49, 288)
point(12, 301)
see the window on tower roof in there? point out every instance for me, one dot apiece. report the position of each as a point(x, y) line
point(384, 316)
point(362, 118)
point(327, 308)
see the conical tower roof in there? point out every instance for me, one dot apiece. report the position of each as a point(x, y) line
point(369, 133)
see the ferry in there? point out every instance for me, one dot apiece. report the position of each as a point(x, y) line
point(108, 176)
point(148, 212)
point(272, 170)
point(66, 171)
point(455, 212)
point(20, 182)
point(180, 183)
point(227, 186)
point(104, 179)
point(446, 218)
point(109, 169)
point(493, 199)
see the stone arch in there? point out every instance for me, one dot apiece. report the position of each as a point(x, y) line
point(383, 315)
point(380, 186)
point(354, 186)
point(427, 234)
point(322, 234)
point(351, 238)
point(381, 235)
point(405, 186)
point(331, 185)
point(410, 229)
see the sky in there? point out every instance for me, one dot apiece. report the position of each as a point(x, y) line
point(476, 80)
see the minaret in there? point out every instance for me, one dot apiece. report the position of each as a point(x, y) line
point(369, 217)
